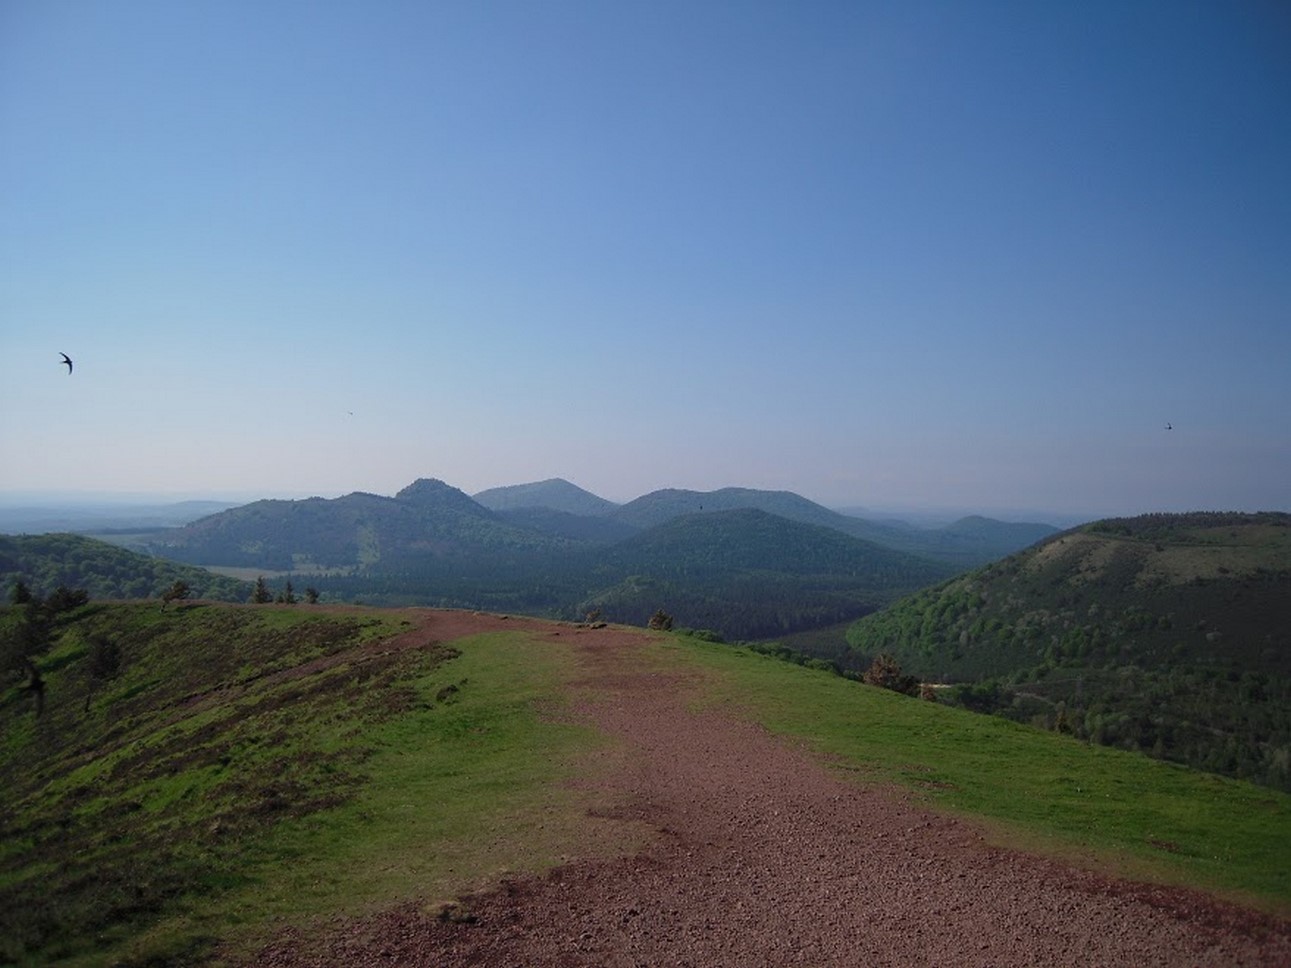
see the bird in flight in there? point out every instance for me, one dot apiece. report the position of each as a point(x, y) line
point(68, 361)
point(1169, 426)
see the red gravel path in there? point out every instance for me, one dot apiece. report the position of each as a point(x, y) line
point(765, 858)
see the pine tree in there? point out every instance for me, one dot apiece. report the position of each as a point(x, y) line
point(261, 595)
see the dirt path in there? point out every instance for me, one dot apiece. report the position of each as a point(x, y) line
point(764, 858)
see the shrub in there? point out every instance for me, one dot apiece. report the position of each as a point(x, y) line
point(177, 592)
point(885, 672)
point(65, 599)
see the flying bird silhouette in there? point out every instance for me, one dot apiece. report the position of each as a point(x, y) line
point(68, 360)
point(1169, 426)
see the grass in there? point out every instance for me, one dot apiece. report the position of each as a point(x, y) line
point(209, 796)
point(200, 795)
point(457, 794)
point(1103, 808)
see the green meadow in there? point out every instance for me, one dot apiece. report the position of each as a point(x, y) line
point(250, 768)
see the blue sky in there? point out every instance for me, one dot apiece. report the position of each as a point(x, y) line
point(882, 254)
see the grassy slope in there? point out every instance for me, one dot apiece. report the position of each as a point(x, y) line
point(1106, 808)
point(374, 781)
point(154, 823)
point(457, 795)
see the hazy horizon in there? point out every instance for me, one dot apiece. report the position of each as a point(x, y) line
point(54, 500)
point(884, 255)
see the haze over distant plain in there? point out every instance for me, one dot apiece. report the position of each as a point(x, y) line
point(890, 255)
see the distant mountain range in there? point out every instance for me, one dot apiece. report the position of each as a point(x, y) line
point(972, 540)
point(749, 563)
point(740, 567)
point(431, 519)
point(426, 520)
point(1169, 633)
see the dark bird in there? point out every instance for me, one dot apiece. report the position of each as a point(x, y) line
point(1169, 426)
point(68, 360)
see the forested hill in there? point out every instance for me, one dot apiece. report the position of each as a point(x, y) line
point(749, 574)
point(430, 519)
point(658, 507)
point(44, 562)
point(427, 519)
point(747, 538)
point(744, 573)
point(556, 494)
point(747, 563)
point(1165, 633)
point(963, 544)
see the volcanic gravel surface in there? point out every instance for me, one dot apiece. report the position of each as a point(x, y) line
point(762, 856)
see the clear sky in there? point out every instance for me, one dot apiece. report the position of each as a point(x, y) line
point(948, 254)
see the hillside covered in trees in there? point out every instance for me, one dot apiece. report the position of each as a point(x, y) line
point(46, 561)
point(1169, 634)
point(746, 573)
point(743, 570)
point(432, 519)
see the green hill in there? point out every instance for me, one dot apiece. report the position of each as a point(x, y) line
point(744, 572)
point(748, 574)
point(968, 542)
point(1169, 634)
point(583, 528)
point(47, 561)
point(753, 539)
point(556, 494)
point(203, 774)
point(426, 520)
point(658, 507)
point(432, 544)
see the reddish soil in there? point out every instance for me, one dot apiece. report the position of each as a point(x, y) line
point(764, 857)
